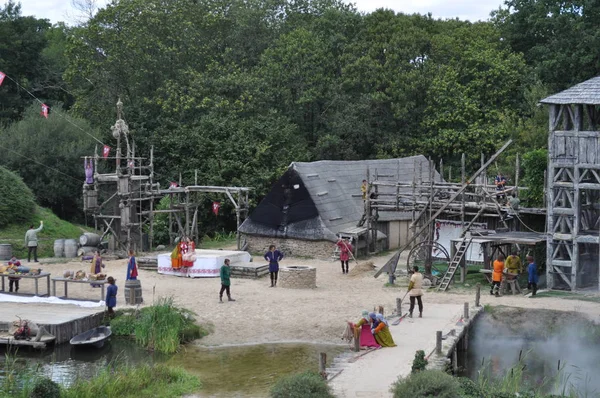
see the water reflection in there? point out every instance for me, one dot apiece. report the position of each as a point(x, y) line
point(238, 371)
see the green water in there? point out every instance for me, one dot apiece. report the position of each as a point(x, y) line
point(234, 371)
point(250, 371)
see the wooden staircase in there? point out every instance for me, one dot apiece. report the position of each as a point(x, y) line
point(454, 264)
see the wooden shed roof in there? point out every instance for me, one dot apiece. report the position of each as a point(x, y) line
point(587, 93)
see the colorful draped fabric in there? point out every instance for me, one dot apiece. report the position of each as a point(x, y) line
point(176, 257)
point(366, 337)
point(189, 255)
point(383, 335)
point(96, 265)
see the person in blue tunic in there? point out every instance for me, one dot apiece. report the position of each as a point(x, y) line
point(132, 271)
point(273, 256)
point(111, 296)
point(533, 276)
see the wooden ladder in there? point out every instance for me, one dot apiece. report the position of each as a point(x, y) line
point(453, 266)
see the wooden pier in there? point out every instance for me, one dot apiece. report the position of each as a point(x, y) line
point(63, 321)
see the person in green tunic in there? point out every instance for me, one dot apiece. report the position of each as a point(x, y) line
point(381, 330)
point(225, 274)
point(513, 264)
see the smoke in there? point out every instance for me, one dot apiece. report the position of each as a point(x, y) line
point(558, 350)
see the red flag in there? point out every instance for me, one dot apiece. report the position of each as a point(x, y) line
point(105, 151)
point(45, 110)
point(2, 76)
point(215, 208)
point(173, 185)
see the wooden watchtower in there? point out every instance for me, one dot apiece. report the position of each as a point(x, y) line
point(573, 209)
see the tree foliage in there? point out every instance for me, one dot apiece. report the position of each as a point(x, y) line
point(17, 202)
point(239, 89)
point(47, 154)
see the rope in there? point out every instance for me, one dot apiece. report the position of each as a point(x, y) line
point(41, 164)
point(525, 225)
point(58, 113)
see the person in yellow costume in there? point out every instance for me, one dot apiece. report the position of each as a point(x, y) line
point(381, 330)
point(513, 264)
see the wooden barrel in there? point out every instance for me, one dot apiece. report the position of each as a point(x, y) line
point(59, 248)
point(71, 248)
point(89, 239)
point(133, 292)
point(5, 251)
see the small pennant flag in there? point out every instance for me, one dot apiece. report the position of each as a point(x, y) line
point(131, 164)
point(105, 151)
point(45, 111)
point(2, 76)
point(173, 185)
point(215, 208)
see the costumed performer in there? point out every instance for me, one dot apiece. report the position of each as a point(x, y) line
point(189, 256)
point(97, 266)
point(176, 257)
point(381, 330)
point(345, 250)
point(132, 271)
point(111, 296)
point(273, 256)
point(363, 326)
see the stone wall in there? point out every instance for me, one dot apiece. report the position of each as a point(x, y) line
point(297, 277)
point(322, 249)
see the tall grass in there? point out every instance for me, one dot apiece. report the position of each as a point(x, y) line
point(161, 327)
point(139, 381)
point(17, 378)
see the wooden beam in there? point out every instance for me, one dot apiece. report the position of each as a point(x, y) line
point(440, 211)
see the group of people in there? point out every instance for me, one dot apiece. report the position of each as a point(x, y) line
point(184, 254)
point(513, 267)
point(373, 330)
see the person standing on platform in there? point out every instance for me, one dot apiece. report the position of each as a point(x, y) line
point(345, 251)
point(111, 296)
point(533, 276)
point(273, 256)
point(225, 275)
point(497, 275)
point(500, 182)
point(31, 241)
point(415, 291)
point(132, 271)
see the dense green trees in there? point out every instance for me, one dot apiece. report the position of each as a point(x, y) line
point(239, 89)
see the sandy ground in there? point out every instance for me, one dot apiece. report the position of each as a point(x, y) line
point(262, 314)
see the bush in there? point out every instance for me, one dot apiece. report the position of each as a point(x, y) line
point(123, 325)
point(419, 363)
point(45, 388)
point(303, 385)
point(428, 383)
point(17, 203)
point(469, 388)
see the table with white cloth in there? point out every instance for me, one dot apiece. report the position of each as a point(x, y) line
point(207, 265)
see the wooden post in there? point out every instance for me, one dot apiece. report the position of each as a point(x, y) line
point(438, 342)
point(322, 363)
point(356, 340)
point(478, 295)
point(399, 306)
point(454, 361)
point(380, 309)
point(466, 312)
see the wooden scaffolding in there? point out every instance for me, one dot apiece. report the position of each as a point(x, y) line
point(573, 178)
point(429, 197)
point(122, 202)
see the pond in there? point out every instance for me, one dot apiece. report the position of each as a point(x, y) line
point(556, 351)
point(230, 371)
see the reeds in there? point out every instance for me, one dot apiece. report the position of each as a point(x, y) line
point(163, 327)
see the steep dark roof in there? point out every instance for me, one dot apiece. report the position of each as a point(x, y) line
point(332, 189)
point(587, 93)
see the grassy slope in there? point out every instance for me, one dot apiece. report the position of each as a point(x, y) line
point(54, 228)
